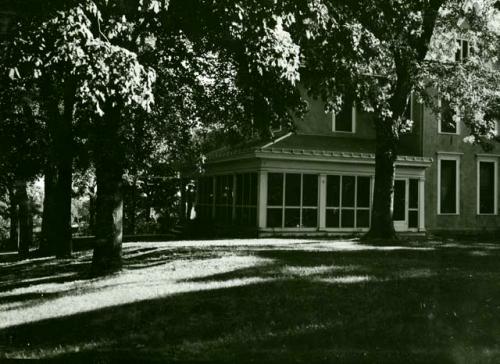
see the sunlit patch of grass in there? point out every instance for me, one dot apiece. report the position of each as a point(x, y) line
point(306, 271)
point(348, 279)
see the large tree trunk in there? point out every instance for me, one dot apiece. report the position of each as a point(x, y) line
point(109, 219)
point(61, 134)
point(49, 211)
point(62, 201)
point(109, 160)
point(382, 225)
point(14, 221)
point(25, 226)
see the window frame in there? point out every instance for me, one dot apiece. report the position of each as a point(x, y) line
point(461, 49)
point(354, 208)
point(301, 207)
point(440, 121)
point(495, 185)
point(448, 157)
point(353, 121)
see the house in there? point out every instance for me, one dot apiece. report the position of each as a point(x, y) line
point(319, 179)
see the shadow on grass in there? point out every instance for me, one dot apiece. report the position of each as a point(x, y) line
point(433, 306)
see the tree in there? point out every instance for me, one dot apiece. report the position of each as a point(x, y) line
point(21, 158)
point(83, 78)
point(378, 53)
point(91, 60)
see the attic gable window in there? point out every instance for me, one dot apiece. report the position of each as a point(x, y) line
point(345, 120)
point(463, 50)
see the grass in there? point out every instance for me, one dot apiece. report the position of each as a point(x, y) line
point(269, 300)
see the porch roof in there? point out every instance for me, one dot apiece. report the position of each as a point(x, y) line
point(305, 145)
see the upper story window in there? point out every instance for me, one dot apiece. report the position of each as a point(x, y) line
point(447, 124)
point(345, 120)
point(463, 50)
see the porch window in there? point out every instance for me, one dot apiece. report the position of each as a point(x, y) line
point(292, 200)
point(448, 185)
point(224, 198)
point(246, 199)
point(487, 190)
point(205, 198)
point(347, 202)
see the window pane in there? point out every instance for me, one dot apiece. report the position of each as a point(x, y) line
point(292, 217)
point(252, 216)
point(292, 193)
point(253, 189)
point(310, 190)
point(413, 219)
point(229, 190)
point(219, 190)
point(486, 187)
point(239, 189)
point(275, 189)
point(448, 125)
point(347, 218)
point(210, 190)
point(363, 218)
point(448, 187)
point(348, 183)
point(413, 202)
point(238, 215)
point(332, 191)
point(465, 50)
point(309, 217)
point(458, 56)
point(399, 200)
point(274, 218)
point(363, 192)
point(246, 189)
point(244, 215)
point(343, 120)
point(332, 218)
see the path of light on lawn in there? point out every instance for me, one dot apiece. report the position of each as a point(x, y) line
point(127, 287)
point(175, 276)
point(288, 244)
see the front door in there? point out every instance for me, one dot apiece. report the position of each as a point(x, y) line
point(400, 205)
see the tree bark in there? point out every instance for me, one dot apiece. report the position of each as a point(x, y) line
point(25, 227)
point(109, 219)
point(49, 211)
point(14, 221)
point(62, 202)
point(60, 127)
point(109, 161)
point(382, 225)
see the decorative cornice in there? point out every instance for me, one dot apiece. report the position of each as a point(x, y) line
point(309, 154)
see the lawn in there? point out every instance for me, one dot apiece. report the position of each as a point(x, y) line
point(255, 301)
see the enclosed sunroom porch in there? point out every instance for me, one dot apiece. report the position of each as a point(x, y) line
point(290, 191)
